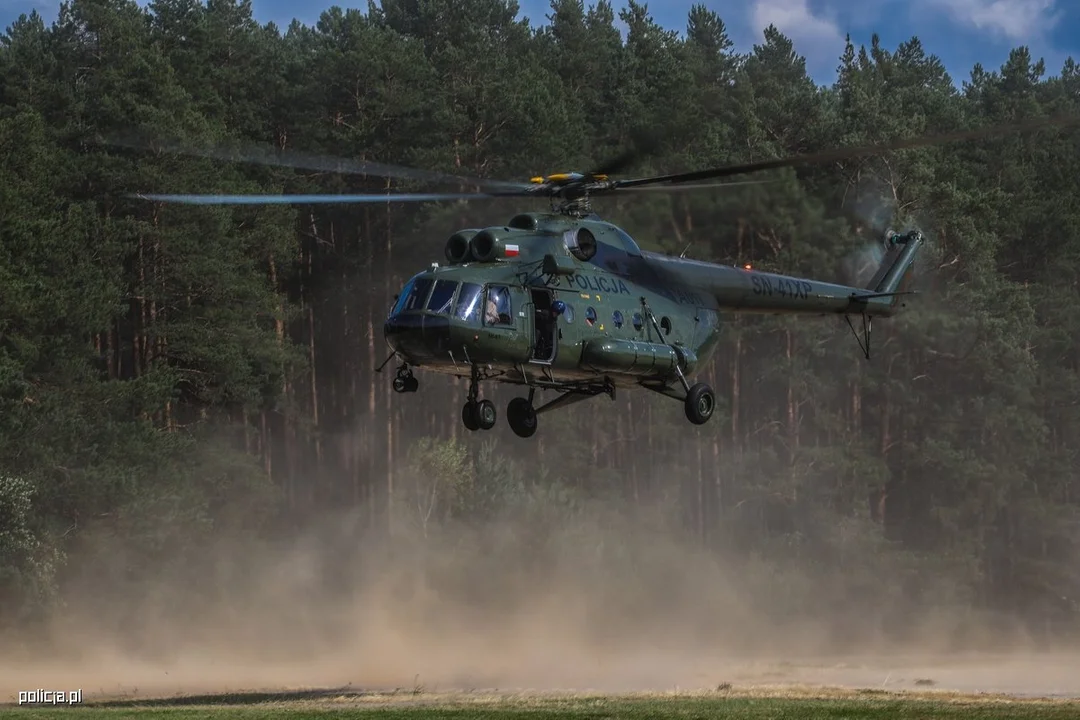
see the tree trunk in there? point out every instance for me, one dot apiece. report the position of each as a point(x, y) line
point(736, 380)
point(314, 386)
point(792, 406)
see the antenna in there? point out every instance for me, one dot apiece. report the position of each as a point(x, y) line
point(679, 237)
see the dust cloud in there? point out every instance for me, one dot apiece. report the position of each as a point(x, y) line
point(606, 600)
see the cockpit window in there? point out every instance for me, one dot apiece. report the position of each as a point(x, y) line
point(403, 297)
point(468, 303)
point(442, 297)
point(498, 311)
point(416, 297)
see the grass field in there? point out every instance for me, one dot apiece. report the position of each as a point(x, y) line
point(785, 702)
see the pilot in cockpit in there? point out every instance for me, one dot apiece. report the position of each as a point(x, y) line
point(497, 310)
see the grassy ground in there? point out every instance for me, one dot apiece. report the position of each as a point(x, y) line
point(750, 703)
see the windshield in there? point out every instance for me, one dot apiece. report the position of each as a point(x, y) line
point(416, 295)
point(403, 297)
point(468, 303)
point(442, 296)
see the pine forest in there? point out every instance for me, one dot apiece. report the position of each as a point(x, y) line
point(188, 395)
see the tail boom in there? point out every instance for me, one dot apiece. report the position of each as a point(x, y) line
point(746, 290)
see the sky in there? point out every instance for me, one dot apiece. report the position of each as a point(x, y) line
point(960, 32)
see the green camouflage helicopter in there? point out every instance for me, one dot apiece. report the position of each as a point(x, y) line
point(565, 301)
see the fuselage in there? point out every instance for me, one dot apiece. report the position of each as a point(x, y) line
point(440, 323)
point(540, 309)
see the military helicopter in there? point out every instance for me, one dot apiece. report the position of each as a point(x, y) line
point(565, 301)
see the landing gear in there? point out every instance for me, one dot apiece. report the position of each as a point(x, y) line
point(699, 400)
point(521, 415)
point(699, 404)
point(477, 414)
point(405, 382)
point(468, 417)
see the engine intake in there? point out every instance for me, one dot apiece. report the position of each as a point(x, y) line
point(581, 243)
point(489, 245)
point(458, 246)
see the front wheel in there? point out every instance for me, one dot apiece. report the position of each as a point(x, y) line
point(700, 404)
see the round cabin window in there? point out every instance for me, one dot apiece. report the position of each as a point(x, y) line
point(637, 322)
point(617, 318)
point(568, 313)
point(590, 316)
point(665, 325)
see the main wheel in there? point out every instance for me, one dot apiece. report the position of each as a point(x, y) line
point(411, 384)
point(522, 417)
point(700, 404)
point(486, 414)
point(469, 416)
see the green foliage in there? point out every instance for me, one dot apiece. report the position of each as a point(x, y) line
point(29, 563)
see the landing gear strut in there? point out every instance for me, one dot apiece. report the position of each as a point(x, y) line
point(699, 401)
point(405, 382)
point(477, 414)
point(521, 415)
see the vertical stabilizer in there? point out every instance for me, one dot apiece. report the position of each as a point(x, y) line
point(898, 261)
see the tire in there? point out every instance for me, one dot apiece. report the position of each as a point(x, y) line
point(486, 415)
point(469, 417)
point(700, 404)
point(521, 416)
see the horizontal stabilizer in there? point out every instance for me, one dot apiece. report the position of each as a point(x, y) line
point(871, 296)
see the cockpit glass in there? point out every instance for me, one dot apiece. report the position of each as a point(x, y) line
point(497, 311)
point(468, 303)
point(442, 296)
point(418, 294)
point(403, 297)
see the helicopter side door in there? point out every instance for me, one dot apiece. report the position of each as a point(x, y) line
point(544, 326)
point(507, 326)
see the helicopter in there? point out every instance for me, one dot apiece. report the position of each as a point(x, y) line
point(565, 301)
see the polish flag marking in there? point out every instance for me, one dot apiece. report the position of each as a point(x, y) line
point(511, 250)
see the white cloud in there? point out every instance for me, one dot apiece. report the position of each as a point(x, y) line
point(818, 38)
point(795, 19)
point(1014, 19)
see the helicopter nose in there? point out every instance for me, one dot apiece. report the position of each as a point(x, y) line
point(404, 332)
point(418, 336)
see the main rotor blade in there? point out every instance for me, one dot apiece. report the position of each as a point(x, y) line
point(307, 161)
point(315, 199)
point(388, 197)
point(694, 186)
point(846, 153)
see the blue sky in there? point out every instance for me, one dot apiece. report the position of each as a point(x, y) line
point(960, 32)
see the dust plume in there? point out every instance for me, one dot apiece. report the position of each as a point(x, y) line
point(538, 594)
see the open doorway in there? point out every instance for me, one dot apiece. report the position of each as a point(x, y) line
point(544, 327)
